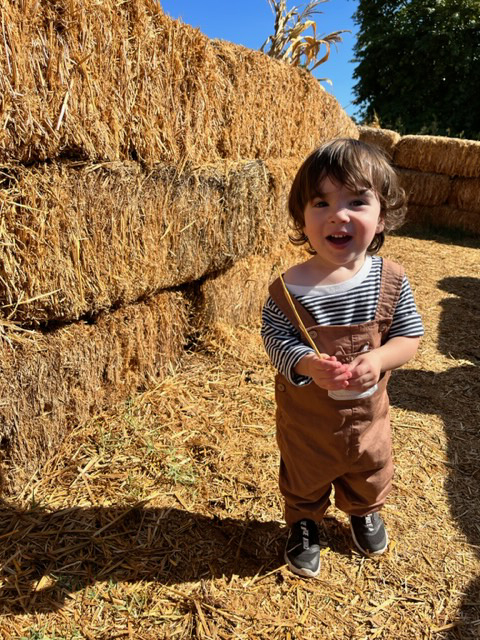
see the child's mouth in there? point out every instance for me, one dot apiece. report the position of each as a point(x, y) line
point(339, 239)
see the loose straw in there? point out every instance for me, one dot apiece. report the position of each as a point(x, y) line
point(302, 326)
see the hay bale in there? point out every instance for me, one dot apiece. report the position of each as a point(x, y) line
point(99, 80)
point(236, 296)
point(79, 239)
point(58, 379)
point(445, 217)
point(436, 154)
point(465, 194)
point(383, 138)
point(425, 188)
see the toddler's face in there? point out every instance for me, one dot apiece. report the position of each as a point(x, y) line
point(340, 223)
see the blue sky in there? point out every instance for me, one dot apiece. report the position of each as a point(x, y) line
point(250, 22)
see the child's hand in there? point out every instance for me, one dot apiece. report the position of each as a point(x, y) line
point(367, 367)
point(327, 373)
point(365, 370)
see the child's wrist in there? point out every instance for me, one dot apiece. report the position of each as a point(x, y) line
point(302, 367)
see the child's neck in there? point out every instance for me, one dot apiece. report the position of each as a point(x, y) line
point(313, 272)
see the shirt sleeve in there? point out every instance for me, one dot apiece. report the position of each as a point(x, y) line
point(406, 319)
point(283, 343)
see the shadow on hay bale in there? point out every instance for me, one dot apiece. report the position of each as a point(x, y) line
point(48, 555)
point(453, 395)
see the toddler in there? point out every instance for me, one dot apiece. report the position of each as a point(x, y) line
point(332, 413)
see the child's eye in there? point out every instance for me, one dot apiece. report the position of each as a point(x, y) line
point(320, 203)
point(358, 203)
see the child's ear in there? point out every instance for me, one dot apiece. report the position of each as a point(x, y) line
point(380, 224)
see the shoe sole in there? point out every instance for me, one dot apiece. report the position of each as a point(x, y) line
point(369, 553)
point(305, 573)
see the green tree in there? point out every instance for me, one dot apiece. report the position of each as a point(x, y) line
point(418, 65)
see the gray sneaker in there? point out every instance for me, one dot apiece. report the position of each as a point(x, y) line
point(369, 534)
point(302, 553)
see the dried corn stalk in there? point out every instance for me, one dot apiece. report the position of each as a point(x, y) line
point(289, 42)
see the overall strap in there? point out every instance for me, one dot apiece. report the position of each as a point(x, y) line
point(390, 288)
point(277, 294)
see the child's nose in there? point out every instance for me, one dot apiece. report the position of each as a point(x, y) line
point(340, 213)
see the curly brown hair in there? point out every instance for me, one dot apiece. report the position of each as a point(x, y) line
point(357, 165)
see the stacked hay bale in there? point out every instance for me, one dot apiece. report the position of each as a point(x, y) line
point(449, 193)
point(136, 157)
point(383, 138)
point(440, 175)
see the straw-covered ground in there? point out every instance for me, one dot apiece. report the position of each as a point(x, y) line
point(163, 519)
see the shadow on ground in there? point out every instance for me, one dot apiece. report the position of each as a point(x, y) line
point(47, 555)
point(454, 395)
point(442, 235)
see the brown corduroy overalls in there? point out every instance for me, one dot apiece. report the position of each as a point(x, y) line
point(344, 443)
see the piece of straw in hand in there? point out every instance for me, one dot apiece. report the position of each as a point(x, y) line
point(302, 326)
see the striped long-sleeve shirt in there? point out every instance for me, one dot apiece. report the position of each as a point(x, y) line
point(351, 302)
